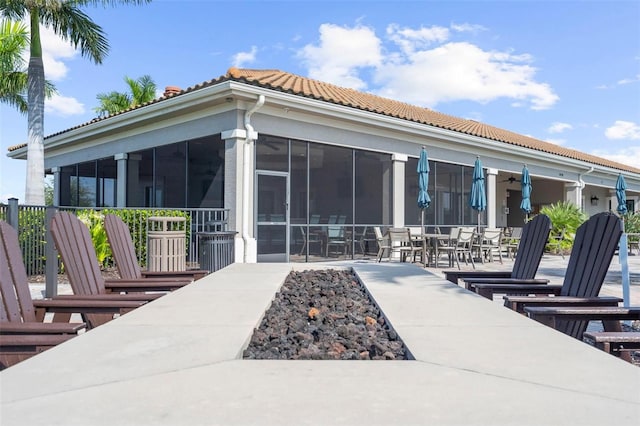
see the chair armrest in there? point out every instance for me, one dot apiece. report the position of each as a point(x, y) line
point(138, 286)
point(488, 290)
point(454, 276)
point(180, 275)
point(87, 306)
point(140, 297)
point(41, 327)
point(21, 342)
point(614, 342)
point(470, 282)
point(609, 315)
point(517, 303)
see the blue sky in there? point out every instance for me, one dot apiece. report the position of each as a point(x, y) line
point(563, 72)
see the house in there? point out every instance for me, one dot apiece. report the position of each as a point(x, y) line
point(307, 168)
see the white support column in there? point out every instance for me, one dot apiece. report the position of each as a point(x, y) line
point(132, 185)
point(573, 193)
point(56, 185)
point(121, 179)
point(398, 161)
point(234, 141)
point(492, 197)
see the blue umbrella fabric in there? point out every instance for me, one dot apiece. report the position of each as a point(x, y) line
point(621, 187)
point(477, 196)
point(423, 180)
point(525, 204)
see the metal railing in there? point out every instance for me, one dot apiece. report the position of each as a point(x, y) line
point(31, 223)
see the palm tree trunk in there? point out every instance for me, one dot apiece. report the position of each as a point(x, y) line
point(34, 190)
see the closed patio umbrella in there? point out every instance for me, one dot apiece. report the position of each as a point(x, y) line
point(423, 183)
point(525, 204)
point(477, 196)
point(621, 187)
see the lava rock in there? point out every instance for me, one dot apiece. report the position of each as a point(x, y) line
point(323, 315)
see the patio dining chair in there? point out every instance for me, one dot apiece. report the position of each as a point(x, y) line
point(401, 242)
point(461, 247)
point(488, 244)
point(383, 243)
point(336, 235)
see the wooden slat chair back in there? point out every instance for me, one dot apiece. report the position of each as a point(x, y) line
point(124, 254)
point(17, 305)
point(73, 241)
point(122, 247)
point(531, 247)
point(594, 245)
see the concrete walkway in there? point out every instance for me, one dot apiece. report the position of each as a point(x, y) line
point(177, 361)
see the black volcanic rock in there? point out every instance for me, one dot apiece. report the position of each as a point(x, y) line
point(324, 314)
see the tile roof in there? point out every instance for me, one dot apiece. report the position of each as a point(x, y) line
point(302, 86)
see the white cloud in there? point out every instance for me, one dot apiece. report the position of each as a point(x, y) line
point(420, 66)
point(341, 52)
point(556, 141)
point(4, 198)
point(462, 71)
point(409, 39)
point(558, 127)
point(629, 80)
point(63, 106)
point(629, 155)
point(467, 28)
point(623, 130)
point(240, 59)
point(55, 51)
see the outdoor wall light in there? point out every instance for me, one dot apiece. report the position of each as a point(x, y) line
point(594, 200)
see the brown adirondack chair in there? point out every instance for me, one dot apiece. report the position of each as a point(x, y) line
point(18, 347)
point(74, 244)
point(593, 248)
point(22, 330)
point(530, 251)
point(124, 254)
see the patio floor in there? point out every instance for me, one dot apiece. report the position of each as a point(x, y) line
point(177, 361)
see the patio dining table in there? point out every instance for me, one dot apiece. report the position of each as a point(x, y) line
point(429, 240)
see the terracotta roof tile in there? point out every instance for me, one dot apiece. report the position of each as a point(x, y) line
point(302, 86)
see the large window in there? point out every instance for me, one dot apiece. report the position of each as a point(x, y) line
point(331, 183)
point(205, 173)
point(184, 174)
point(107, 178)
point(449, 187)
point(90, 184)
point(373, 186)
point(336, 196)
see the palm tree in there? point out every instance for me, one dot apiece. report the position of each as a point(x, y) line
point(142, 90)
point(70, 23)
point(14, 41)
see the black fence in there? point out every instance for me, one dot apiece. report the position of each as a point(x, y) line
point(31, 223)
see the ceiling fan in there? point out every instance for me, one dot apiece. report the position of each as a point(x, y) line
point(511, 179)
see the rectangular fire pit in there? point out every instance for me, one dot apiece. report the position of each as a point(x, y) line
point(325, 315)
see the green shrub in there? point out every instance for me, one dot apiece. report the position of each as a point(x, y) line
point(631, 223)
point(95, 222)
point(564, 216)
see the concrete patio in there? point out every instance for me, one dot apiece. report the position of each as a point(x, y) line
point(177, 361)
